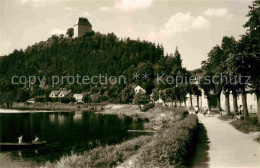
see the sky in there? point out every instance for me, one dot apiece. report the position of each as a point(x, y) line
point(195, 26)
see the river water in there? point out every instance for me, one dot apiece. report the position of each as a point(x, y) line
point(65, 132)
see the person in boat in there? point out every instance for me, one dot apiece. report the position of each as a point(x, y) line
point(36, 139)
point(20, 139)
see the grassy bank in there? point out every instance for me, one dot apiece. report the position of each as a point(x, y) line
point(57, 106)
point(108, 156)
point(226, 117)
point(170, 145)
point(247, 126)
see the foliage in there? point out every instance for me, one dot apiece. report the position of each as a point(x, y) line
point(127, 94)
point(148, 106)
point(70, 32)
point(141, 98)
point(172, 146)
point(227, 117)
point(246, 126)
point(59, 56)
point(107, 156)
point(22, 95)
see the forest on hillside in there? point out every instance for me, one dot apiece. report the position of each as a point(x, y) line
point(92, 54)
point(97, 53)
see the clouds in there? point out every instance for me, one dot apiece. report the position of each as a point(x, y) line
point(70, 9)
point(219, 12)
point(85, 14)
point(133, 5)
point(128, 5)
point(179, 23)
point(57, 31)
point(105, 9)
point(76, 11)
point(37, 3)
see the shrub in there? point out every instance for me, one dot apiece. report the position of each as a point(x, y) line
point(171, 147)
point(55, 99)
point(246, 126)
point(147, 107)
point(65, 100)
point(107, 156)
point(40, 99)
point(141, 98)
point(226, 117)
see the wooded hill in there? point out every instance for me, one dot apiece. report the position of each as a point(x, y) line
point(92, 54)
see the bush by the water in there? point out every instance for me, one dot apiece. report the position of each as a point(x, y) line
point(107, 156)
point(147, 107)
point(171, 147)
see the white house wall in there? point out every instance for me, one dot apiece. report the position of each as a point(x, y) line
point(202, 100)
point(251, 102)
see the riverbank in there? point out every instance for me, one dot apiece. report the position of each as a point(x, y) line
point(52, 107)
point(175, 135)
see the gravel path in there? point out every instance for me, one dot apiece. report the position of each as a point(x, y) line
point(229, 147)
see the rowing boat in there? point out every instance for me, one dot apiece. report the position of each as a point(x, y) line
point(22, 145)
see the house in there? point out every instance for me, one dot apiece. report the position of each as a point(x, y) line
point(78, 98)
point(82, 26)
point(30, 101)
point(139, 89)
point(251, 102)
point(54, 93)
point(203, 102)
point(151, 97)
point(159, 101)
point(64, 93)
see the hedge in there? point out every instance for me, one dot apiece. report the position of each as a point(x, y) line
point(173, 146)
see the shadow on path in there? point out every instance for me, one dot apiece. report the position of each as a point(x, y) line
point(200, 157)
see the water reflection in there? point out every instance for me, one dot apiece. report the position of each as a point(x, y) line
point(64, 132)
point(77, 117)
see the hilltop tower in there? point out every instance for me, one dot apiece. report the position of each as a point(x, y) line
point(82, 26)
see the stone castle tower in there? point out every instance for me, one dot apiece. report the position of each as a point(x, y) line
point(82, 26)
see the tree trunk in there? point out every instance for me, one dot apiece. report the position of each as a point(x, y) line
point(258, 104)
point(244, 103)
point(218, 102)
point(227, 104)
point(191, 105)
point(185, 103)
point(175, 104)
point(180, 103)
point(208, 101)
point(234, 93)
point(198, 101)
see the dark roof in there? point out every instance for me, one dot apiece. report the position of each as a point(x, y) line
point(83, 21)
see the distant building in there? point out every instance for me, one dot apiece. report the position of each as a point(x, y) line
point(251, 102)
point(78, 98)
point(59, 93)
point(159, 101)
point(31, 101)
point(82, 26)
point(64, 93)
point(54, 93)
point(139, 89)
